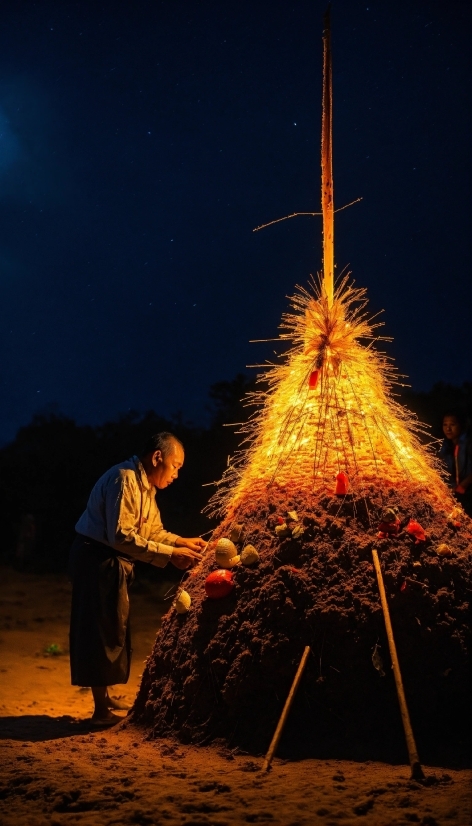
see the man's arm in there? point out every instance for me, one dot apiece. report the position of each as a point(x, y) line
point(123, 512)
point(159, 534)
point(466, 482)
point(194, 543)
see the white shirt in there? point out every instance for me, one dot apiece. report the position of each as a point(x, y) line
point(122, 512)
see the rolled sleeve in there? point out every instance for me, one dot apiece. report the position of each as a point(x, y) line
point(165, 537)
point(157, 554)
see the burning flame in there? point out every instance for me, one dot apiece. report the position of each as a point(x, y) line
point(345, 420)
point(329, 408)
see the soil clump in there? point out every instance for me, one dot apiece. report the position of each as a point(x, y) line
point(222, 671)
point(53, 770)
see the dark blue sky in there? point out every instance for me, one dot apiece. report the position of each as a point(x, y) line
point(140, 144)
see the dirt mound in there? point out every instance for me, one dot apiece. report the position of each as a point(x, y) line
point(223, 670)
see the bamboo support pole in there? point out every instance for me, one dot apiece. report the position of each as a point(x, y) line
point(416, 770)
point(327, 196)
point(283, 717)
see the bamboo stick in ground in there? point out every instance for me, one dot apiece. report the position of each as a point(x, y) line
point(416, 770)
point(283, 717)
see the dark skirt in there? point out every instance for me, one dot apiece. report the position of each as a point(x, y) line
point(100, 639)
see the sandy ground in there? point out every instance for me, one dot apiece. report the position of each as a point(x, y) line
point(53, 770)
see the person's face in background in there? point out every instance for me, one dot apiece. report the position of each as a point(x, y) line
point(451, 428)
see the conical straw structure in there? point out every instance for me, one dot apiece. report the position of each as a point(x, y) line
point(326, 415)
point(329, 407)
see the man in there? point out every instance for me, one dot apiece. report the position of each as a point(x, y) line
point(121, 523)
point(456, 452)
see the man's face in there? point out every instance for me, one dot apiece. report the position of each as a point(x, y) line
point(166, 469)
point(451, 427)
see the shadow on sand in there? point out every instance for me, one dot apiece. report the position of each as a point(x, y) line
point(36, 728)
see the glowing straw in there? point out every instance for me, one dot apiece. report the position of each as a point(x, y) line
point(328, 405)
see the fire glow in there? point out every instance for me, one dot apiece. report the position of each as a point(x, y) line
point(348, 423)
point(329, 407)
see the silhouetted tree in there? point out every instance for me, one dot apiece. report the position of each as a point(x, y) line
point(49, 469)
point(227, 400)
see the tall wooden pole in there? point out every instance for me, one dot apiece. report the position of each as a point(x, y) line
point(327, 202)
point(416, 770)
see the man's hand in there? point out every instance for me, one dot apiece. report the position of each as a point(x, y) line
point(185, 558)
point(194, 544)
point(463, 486)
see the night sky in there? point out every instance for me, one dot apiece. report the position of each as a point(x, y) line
point(140, 144)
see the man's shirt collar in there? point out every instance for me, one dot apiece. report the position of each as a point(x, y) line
point(142, 473)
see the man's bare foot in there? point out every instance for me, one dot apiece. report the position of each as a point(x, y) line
point(104, 719)
point(117, 703)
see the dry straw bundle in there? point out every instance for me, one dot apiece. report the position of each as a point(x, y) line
point(329, 408)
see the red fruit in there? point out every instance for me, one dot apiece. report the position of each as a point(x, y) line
point(280, 520)
point(313, 380)
point(342, 484)
point(219, 584)
point(416, 530)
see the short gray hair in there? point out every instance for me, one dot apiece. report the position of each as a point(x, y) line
point(160, 441)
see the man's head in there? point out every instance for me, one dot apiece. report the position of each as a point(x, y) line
point(452, 426)
point(162, 457)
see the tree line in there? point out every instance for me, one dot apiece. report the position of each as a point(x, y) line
point(49, 469)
